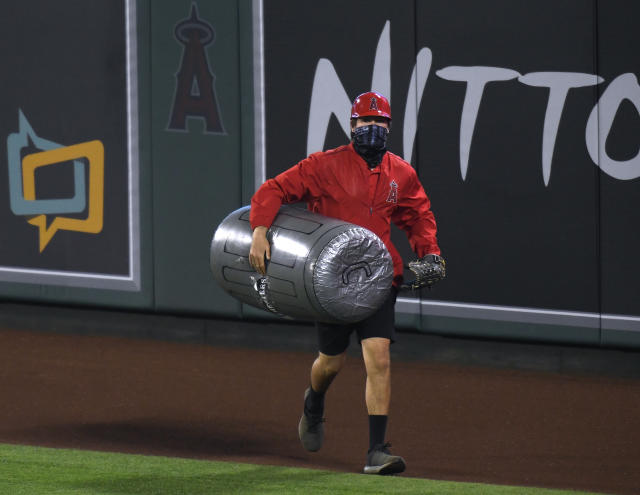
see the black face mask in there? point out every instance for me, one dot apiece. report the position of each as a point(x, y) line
point(370, 142)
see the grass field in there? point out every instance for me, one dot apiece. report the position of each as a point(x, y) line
point(45, 471)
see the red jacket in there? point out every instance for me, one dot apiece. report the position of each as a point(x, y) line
point(338, 183)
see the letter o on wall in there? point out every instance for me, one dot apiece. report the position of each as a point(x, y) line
point(601, 120)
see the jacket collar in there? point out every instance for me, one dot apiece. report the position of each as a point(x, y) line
point(383, 167)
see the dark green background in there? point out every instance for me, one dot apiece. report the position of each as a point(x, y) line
point(509, 240)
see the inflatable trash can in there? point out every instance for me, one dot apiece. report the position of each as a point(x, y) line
point(321, 268)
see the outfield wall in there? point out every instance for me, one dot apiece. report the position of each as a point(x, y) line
point(131, 129)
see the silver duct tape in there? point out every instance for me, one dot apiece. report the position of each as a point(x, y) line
point(262, 288)
point(353, 275)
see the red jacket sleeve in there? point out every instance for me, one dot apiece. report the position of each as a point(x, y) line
point(414, 216)
point(299, 183)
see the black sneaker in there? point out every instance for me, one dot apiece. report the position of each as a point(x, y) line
point(380, 461)
point(311, 429)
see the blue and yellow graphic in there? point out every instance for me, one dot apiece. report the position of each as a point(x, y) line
point(22, 189)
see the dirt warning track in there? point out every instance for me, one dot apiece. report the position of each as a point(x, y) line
point(465, 423)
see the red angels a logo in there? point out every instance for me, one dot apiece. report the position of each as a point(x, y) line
point(393, 192)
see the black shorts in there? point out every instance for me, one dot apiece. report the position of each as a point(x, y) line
point(334, 339)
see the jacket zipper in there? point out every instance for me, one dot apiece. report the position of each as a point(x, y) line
point(375, 191)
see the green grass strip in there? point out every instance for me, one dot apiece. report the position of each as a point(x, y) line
point(45, 471)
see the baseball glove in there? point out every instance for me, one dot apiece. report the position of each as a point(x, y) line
point(428, 270)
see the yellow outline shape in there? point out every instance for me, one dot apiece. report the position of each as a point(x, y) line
point(94, 152)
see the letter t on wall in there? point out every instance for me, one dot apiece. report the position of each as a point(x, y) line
point(559, 84)
point(476, 78)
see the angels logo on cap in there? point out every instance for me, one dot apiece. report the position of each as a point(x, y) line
point(371, 104)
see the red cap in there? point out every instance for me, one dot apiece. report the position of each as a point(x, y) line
point(371, 104)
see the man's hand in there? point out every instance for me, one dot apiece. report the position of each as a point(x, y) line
point(428, 270)
point(260, 248)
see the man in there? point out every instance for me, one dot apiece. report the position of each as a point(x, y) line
point(360, 183)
